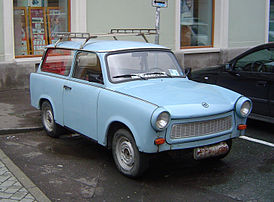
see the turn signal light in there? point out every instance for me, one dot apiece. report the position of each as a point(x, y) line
point(242, 127)
point(159, 141)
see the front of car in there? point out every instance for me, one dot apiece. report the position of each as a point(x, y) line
point(188, 114)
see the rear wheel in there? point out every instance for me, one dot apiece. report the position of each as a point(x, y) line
point(49, 124)
point(127, 157)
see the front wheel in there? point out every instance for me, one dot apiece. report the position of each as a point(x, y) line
point(49, 124)
point(127, 157)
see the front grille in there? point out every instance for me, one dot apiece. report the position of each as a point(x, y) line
point(200, 128)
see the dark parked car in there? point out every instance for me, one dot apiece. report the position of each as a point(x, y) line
point(251, 74)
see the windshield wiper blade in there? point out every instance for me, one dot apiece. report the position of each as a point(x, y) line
point(152, 73)
point(155, 73)
point(129, 76)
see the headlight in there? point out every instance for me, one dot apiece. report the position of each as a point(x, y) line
point(243, 107)
point(160, 119)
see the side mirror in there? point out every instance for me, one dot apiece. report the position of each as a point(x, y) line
point(228, 67)
point(188, 71)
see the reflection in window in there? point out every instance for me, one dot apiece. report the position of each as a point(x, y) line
point(88, 67)
point(196, 23)
point(34, 21)
point(58, 61)
point(259, 61)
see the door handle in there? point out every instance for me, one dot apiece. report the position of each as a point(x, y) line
point(67, 87)
point(261, 83)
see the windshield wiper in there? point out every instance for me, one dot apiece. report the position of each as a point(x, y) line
point(129, 76)
point(159, 73)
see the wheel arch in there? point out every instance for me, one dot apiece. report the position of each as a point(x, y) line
point(113, 127)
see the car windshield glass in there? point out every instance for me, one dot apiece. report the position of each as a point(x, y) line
point(142, 65)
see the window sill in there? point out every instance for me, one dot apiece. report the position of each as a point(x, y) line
point(198, 50)
point(28, 59)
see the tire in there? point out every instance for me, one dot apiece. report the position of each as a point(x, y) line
point(49, 124)
point(129, 161)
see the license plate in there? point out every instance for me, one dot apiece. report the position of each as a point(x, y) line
point(210, 151)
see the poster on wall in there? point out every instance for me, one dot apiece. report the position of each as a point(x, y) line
point(56, 22)
point(35, 3)
point(21, 32)
point(38, 30)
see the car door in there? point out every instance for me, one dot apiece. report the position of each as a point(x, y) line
point(250, 77)
point(271, 90)
point(81, 94)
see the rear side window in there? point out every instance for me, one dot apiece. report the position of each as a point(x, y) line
point(58, 61)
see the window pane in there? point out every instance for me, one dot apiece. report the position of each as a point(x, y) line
point(88, 67)
point(34, 21)
point(58, 61)
point(259, 61)
point(196, 23)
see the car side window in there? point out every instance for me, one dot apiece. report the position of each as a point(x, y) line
point(58, 61)
point(258, 61)
point(87, 67)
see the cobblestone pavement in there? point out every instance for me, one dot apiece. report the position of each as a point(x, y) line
point(10, 188)
point(15, 185)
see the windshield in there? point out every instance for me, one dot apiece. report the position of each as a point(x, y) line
point(142, 65)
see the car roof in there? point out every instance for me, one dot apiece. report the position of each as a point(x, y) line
point(106, 45)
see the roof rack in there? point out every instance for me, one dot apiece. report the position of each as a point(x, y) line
point(65, 36)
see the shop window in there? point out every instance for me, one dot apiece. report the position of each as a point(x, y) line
point(271, 22)
point(197, 23)
point(58, 61)
point(34, 21)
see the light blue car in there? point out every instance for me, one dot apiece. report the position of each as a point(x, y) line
point(133, 98)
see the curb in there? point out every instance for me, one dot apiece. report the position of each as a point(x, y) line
point(6, 131)
point(23, 179)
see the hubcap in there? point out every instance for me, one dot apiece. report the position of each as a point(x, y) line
point(48, 120)
point(125, 153)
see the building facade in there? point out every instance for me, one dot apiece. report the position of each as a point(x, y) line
point(200, 32)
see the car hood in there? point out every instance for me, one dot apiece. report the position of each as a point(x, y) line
point(181, 97)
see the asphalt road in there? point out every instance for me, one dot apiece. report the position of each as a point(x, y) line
point(73, 168)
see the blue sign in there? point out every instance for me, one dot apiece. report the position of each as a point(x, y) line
point(160, 3)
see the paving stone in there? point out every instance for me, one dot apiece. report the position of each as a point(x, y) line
point(29, 196)
point(19, 195)
point(7, 183)
point(3, 170)
point(26, 200)
point(8, 200)
point(5, 195)
point(11, 191)
point(3, 178)
point(23, 190)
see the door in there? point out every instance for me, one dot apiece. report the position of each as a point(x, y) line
point(250, 77)
point(271, 93)
point(81, 93)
